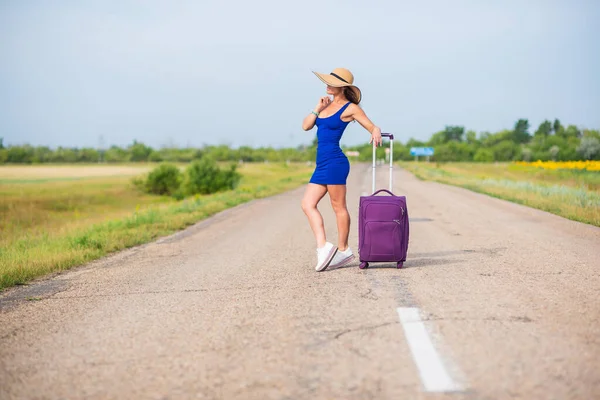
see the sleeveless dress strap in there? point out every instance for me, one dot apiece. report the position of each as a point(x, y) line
point(341, 111)
point(344, 107)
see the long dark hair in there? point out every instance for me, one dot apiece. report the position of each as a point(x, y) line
point(350, 95)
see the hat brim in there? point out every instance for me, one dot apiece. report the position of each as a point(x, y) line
point(335, 82)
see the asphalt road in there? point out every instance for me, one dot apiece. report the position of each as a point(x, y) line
point(232, 308)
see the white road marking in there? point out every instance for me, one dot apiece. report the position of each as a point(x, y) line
point(434, 376)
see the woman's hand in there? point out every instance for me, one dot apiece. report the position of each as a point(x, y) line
point(310, 119)
point(322, 104)
point(376, 137)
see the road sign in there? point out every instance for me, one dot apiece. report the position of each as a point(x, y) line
point(421, 151)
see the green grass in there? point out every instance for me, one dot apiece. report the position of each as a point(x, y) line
point(570, 194)
point(53, 226)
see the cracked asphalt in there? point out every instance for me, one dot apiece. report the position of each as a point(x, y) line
point(232, 308)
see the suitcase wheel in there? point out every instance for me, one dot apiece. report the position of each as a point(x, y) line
point(399, 265)
point(363, 265)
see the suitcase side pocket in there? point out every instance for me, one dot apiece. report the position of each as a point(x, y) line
point(382, 241)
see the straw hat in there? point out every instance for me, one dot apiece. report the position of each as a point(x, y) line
point(340, 77)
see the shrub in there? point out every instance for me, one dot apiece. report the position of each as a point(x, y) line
point(139, 151)
point(554, 152)
point(155, 156)
point(204, 177)
point(164, 179)
point(589, 148)
point(483, 155)
point(505, 150)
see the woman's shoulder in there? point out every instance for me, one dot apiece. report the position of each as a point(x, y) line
point(353, 108)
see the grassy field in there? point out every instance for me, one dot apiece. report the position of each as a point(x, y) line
point(569, 193)
point(56, 217)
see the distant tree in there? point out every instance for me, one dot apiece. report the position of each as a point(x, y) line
point(568, 150)
point(139, 151)
point(20, 154)
point(402, 152)
point(1, 143)
point(591, 133)
point(246, 154)
point(42, 154)
point(483, 155)
point(521, 131)
point(554, 152)
point(526, 154)
point(454, 133)
point(198, 154)
point(221, 153)
point(555, 141)
point(155, 156)
point(115, 154)
point(569, 154)
point(571, 132)
point(472, 137)
point(483, 136)
point(544, 130)
point(589, 148)
point(454, 151)
point(437, 139)
point(414, 143)
point(506, 150)
point(88, 154)
point(493, 139)
point(556, 127)
point(449, 134)
point(541, 145)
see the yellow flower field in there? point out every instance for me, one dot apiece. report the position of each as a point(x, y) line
point(578, 165)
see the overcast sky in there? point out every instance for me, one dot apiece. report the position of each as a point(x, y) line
point(239, 72)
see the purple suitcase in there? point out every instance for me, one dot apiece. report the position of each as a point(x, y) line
point(382, 223)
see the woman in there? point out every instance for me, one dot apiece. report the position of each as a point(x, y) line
point(331, 118)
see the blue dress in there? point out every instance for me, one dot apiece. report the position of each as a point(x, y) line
point(333, 166)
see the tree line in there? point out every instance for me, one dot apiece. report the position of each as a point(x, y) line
point(550, 141)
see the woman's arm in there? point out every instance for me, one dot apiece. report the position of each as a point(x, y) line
point(359, 115)
point(310, 119)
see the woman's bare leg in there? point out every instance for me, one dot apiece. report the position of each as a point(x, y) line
point(337, 193)
point(313, 194)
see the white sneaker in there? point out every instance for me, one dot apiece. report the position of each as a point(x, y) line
point(324, 256)
point(341, 258)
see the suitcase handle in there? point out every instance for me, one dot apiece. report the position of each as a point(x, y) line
point(391, 136)
point(383, 190)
